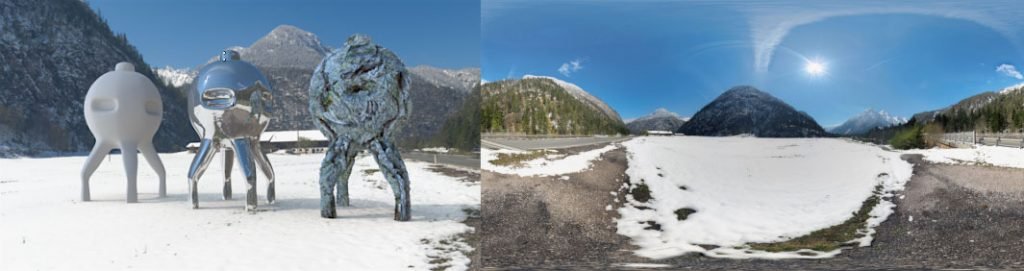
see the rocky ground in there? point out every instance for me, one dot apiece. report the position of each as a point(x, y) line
point(949, 217)
point(550, 222)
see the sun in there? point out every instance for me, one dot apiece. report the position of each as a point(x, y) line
point(815, 67)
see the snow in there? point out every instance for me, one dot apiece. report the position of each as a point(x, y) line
point(551, 164)
point(747, 189)
point(579, 93)
point(282, 136)
point(660, 112)
point(292, 136)
point(43, 225)
point(436, 150)
point(642, 265)
point(979, 155)
point(175, 77)
point(1011, 89)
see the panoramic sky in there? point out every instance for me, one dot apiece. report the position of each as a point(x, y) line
point(186, 33)
point(831, 59)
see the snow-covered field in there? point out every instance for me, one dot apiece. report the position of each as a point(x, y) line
point(552, 163)
point(43, 225)
point(747, 189)
point(979, 155)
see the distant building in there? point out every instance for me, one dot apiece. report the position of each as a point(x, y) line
point(297, 141)
point(659, 132)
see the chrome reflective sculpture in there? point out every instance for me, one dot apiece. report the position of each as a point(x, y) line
point(230, 108)
point(123, 110)
point(357, 95)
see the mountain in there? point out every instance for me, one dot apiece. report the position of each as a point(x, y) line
point(287, 56)
point(175, 77)
point(462, 130)
point(747, 110)
point(661, 119)
point(285, 46)
point(436, 95)
point(50, 53)
point(581, 95)
point(462, 79)
point(990, 111)
point(865, 121)
point(542, 105)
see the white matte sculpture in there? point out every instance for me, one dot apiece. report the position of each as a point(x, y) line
point(123, 110)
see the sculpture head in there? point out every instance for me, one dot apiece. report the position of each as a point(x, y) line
point(359, 91)
point(123, 105)
point(231, 99)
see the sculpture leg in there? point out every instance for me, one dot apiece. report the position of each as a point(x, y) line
point(342, 187)
point(130, 155)
point(393, 168)
point(229, 159)
point(199, 164)
point(100, 150)
point(331, 168)
point(264, 163)
point(149, 152)
point(243, 147)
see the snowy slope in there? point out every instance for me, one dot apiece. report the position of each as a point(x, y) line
point(551, 164)
point(175, 77)
point(43, 225)
point(979, 155)
point(867, 120)
point(1012, 89)
point(462, 79)
point(747, 189)
point(581, 95)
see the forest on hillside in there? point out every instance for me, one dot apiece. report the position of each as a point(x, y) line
point(538, 106)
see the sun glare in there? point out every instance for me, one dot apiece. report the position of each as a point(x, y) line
point(815, 68)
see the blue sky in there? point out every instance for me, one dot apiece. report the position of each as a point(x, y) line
point(186, 33)
point(902, 58)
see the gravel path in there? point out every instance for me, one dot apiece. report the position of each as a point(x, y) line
point(964, 217)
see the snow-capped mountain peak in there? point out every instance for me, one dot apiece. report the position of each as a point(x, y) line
point(1011, 89)
point(867, 120)
point(175, 77)
point(461, 79)
point(661, 119)
point(661, 113)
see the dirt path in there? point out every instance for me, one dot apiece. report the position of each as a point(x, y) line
point(963, 217)
point(550, 222)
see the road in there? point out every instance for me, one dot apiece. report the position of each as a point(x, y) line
point(468, 161)
point(525, 144)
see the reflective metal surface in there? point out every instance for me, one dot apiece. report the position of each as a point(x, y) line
point(230, 107)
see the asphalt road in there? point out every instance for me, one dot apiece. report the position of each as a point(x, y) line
point(525, 144)
point(469, 161)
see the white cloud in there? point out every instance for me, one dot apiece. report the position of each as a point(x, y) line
point(570, 67)
point(1010, 70)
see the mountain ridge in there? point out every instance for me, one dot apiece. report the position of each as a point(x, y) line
point(865, 121)
point(660, 119)
point(748, 110)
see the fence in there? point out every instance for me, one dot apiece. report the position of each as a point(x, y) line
point(1014, 140)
